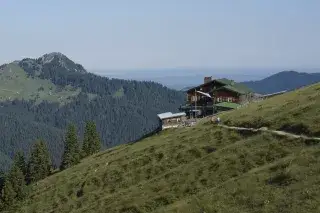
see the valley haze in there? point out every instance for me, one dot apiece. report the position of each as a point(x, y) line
point(179, 78)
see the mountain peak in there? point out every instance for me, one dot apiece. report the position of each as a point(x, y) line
point(47, 58)
point(56, 59)
point(50, 57)
point(289, 72)
point(62, 61)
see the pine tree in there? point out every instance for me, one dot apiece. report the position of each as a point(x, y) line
point(71, 155)
point(91, 140)
point(7, 194)
point(96, 143)
point(86, 141)
point(2, 180)
point(19, 161)
point(17, 180)
point(39, 165)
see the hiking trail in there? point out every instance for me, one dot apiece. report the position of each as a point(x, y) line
point(265, 129)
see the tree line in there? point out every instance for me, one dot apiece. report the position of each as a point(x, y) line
point(13, 185)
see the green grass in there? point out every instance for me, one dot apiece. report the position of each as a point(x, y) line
point(15, 84)
point(197, 169)
point(288, 185)
point(119, 93)
point(297, 111)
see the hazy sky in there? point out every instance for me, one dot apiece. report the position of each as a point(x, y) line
point(141, 34)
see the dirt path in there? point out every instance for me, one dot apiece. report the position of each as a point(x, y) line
point(10, 91)
point(265, 129)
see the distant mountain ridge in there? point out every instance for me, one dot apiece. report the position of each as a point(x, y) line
point(286, 80)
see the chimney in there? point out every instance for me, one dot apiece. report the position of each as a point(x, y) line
point(207, 79)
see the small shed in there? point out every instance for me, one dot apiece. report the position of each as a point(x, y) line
point(171, 120)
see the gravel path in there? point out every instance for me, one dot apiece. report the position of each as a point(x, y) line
point(265, 129)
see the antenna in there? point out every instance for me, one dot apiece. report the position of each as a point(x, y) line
point(191, 113)
point(195, 104)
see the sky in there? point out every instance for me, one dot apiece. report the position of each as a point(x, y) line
point(143, 34)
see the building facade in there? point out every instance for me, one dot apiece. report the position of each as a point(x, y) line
point(209, 97)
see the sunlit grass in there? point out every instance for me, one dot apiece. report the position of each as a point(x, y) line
point(297, 111)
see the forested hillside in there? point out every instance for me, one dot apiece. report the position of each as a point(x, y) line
point(123, 110)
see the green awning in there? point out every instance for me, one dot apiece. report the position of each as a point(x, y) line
point(229, 105)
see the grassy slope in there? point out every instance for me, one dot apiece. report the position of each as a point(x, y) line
point(15, 84)
point(297, 111)
point(198, 169)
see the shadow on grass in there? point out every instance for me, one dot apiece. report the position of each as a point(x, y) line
point(296, 128)
point(281, 179)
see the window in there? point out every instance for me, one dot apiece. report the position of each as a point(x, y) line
point(194, 98)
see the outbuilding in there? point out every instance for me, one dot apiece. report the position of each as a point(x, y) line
point(171, 120)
